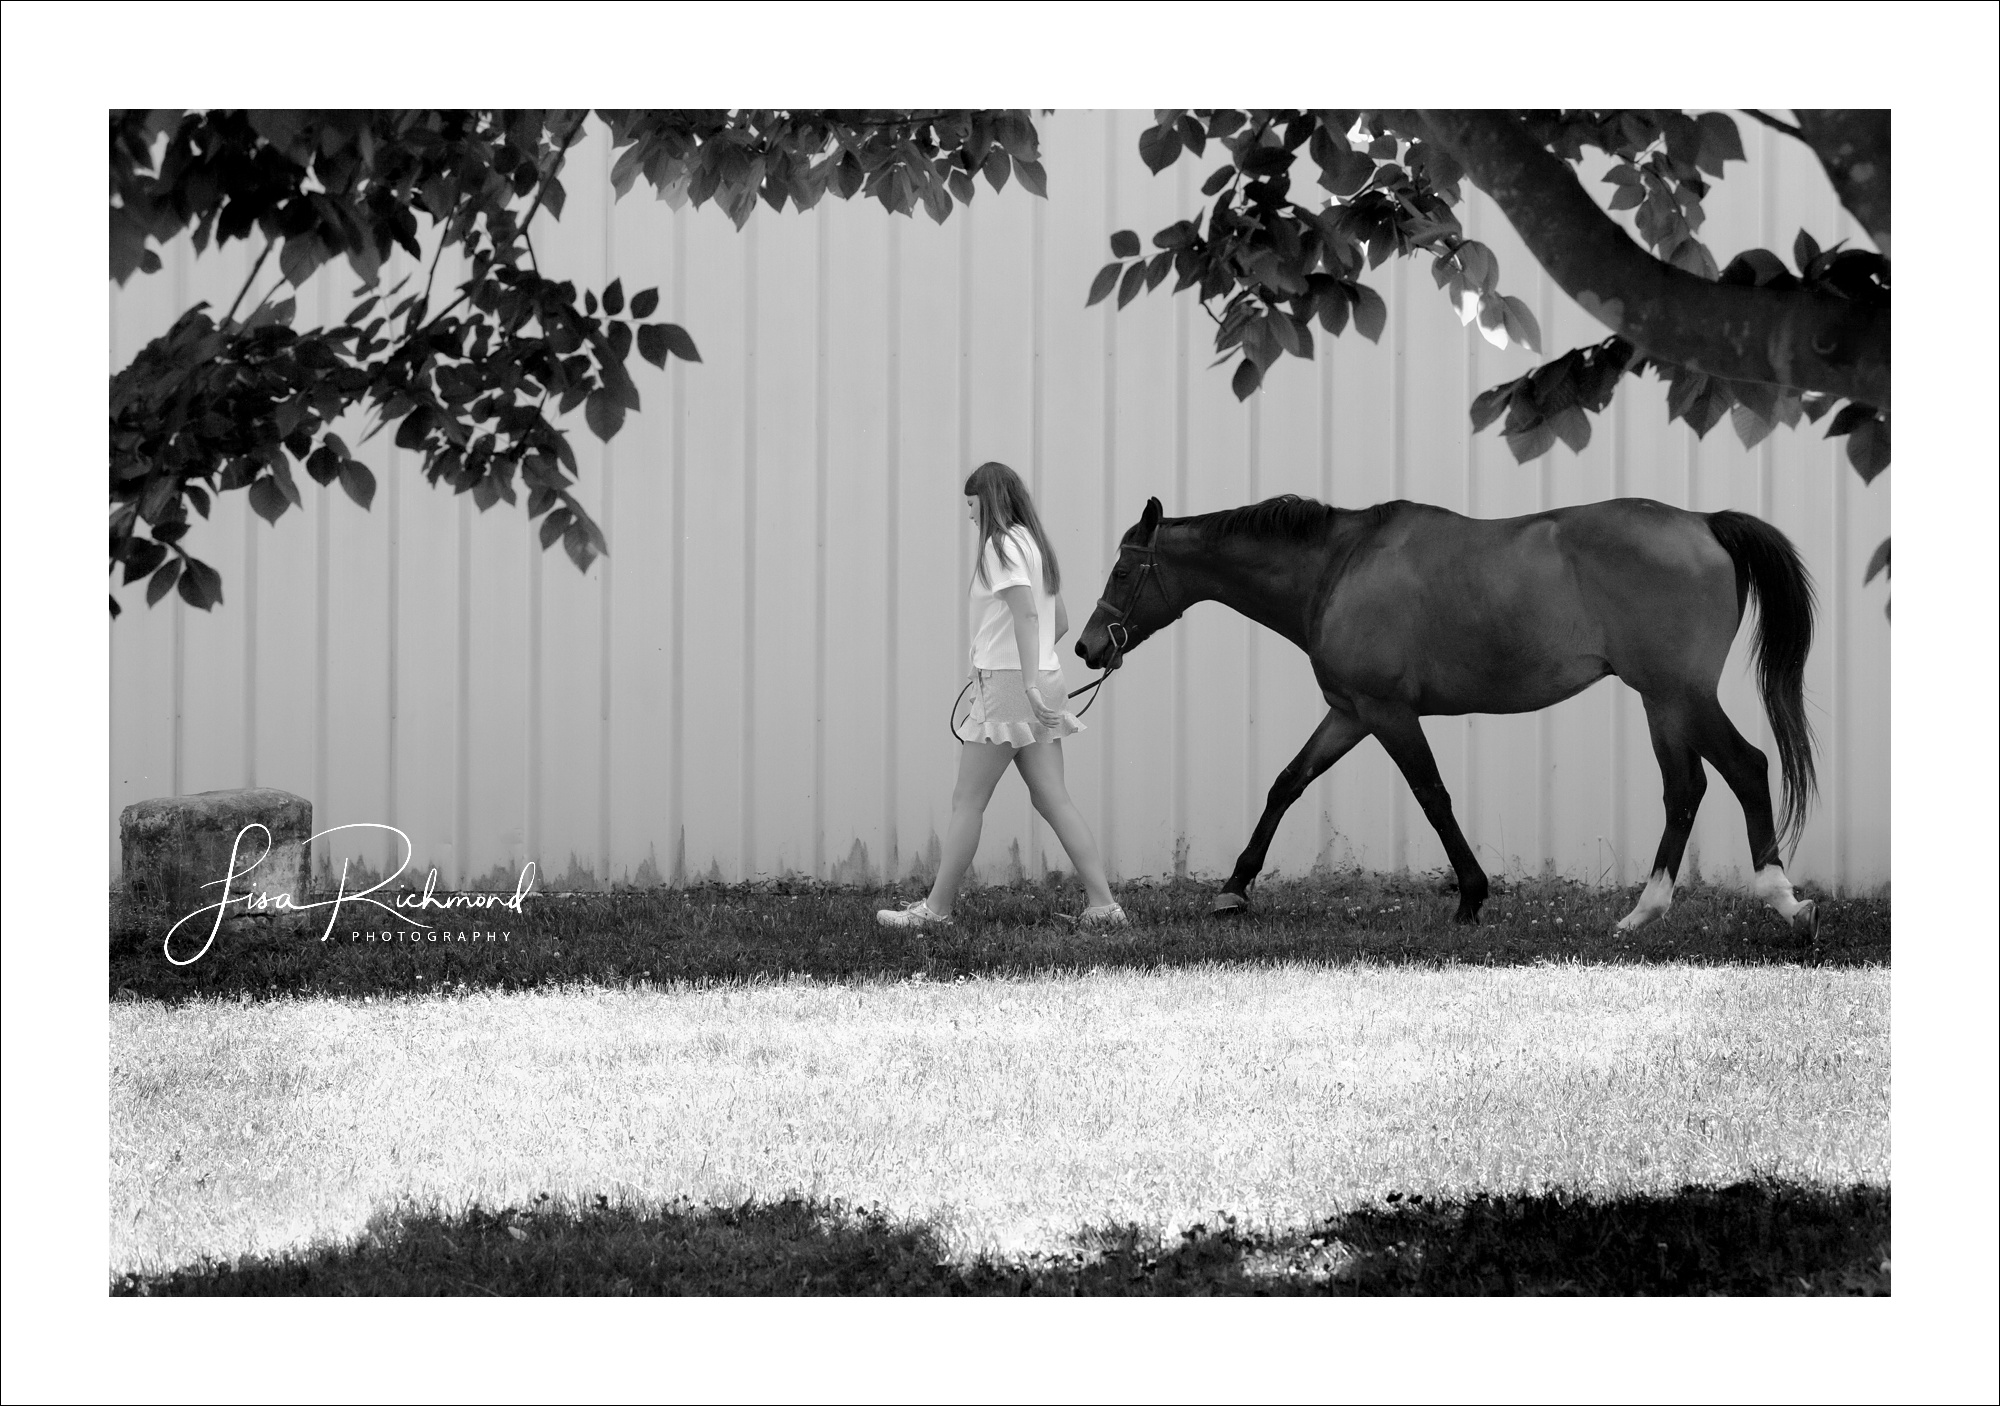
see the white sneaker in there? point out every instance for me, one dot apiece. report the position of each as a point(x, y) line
point(1109, 916)
point(912, 915)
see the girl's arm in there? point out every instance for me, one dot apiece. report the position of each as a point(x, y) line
point(1028, 646)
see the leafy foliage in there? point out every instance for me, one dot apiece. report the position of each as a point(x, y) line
point(1276, 265)
point(1275, 260)
point(468, 379)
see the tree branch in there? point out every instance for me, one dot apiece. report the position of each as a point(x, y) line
point(1788, 337)
point(1853, 147)
point(1773, 123)
point(268, 243)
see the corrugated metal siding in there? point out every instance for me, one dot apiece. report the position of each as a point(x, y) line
point(756, 681)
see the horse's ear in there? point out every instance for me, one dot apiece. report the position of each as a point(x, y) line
point(1154, 512)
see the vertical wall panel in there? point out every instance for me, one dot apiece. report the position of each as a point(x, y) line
point(755, 682)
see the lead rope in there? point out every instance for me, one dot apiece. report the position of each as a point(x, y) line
point(1089, 688)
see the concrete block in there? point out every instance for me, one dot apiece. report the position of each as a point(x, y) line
point(177, 850)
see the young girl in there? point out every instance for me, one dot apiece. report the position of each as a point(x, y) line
point(1017, 615)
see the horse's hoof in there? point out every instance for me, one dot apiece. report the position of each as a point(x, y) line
point(1805, 922)
point(1229, 905)
point(1468, 916)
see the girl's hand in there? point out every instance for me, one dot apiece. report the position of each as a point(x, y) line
point(1045, 715)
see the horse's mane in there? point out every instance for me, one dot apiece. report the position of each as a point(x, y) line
point(1288, 516)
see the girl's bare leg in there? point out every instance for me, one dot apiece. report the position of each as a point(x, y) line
point(1042, 768)
point(980, 767)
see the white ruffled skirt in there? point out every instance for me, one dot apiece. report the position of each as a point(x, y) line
point(999, 709)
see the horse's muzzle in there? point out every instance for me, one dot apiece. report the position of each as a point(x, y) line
point(1107, 651)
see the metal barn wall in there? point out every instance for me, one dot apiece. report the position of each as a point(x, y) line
point(755, 683)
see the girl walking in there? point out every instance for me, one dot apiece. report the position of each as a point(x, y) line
point(1016, 612)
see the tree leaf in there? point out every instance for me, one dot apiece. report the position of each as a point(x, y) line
point(1482, 269)
point(410, 434)
point(1246, 379)
point(1159, 268)
point(644, 301)
point(301, 256)
point(141, 558)
point(1159, 147)
point(604, 412)
point(554, 525)
point(1868, 449)
point(996, 166)
point(1720, 142)
point(163, 581)
point(1533, 442)
point(1217, 179)
point(1371, 314)
point(1125, 244)
point(1488, 405)
point(267, 499)
point(201, 585)
point(1878, 563)
point(1033, 178)
point(1333, 304)
point(1348, 173)
point(1282, 328)
point(359, 481)
point(614, 297)
point(1804, 250)
point(1101, 286)
point(1751, 427)
point(1521, 324)
point(1572, 427)
point(1263, 161)
point(653, 342)
point(680, 343)
point(1851, 417)
point(1135, 279)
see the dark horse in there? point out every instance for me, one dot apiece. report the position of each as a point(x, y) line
point(1407, 609)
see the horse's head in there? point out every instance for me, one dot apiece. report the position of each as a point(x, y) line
point(1135, 602)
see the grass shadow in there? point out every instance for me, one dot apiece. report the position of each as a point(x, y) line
point(736, 933)
point(1750, 1238)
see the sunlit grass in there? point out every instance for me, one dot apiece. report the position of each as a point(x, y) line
point(1005, 1117)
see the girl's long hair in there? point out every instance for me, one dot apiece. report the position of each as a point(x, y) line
point(1004, 504)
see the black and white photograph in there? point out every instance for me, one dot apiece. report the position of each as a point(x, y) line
point(860, 703)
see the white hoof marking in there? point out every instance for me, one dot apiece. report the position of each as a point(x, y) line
point(1654, 901)
point(1775, 889)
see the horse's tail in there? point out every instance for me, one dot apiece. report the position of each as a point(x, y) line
point(1768, 565)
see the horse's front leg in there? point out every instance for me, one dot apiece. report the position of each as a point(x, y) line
point(1338, 731)
point(1402, 736)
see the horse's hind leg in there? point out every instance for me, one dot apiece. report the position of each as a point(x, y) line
point(1683, 781)
point(1748, 773)
point(1335, 736)
point(1402, 736)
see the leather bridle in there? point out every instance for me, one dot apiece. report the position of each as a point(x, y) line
point(1149, 568)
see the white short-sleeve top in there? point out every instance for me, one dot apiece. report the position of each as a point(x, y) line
point(992, 622)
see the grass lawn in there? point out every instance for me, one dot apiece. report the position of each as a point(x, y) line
point(728, 1092)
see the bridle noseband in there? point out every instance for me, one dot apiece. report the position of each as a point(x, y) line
point(1116, 631)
